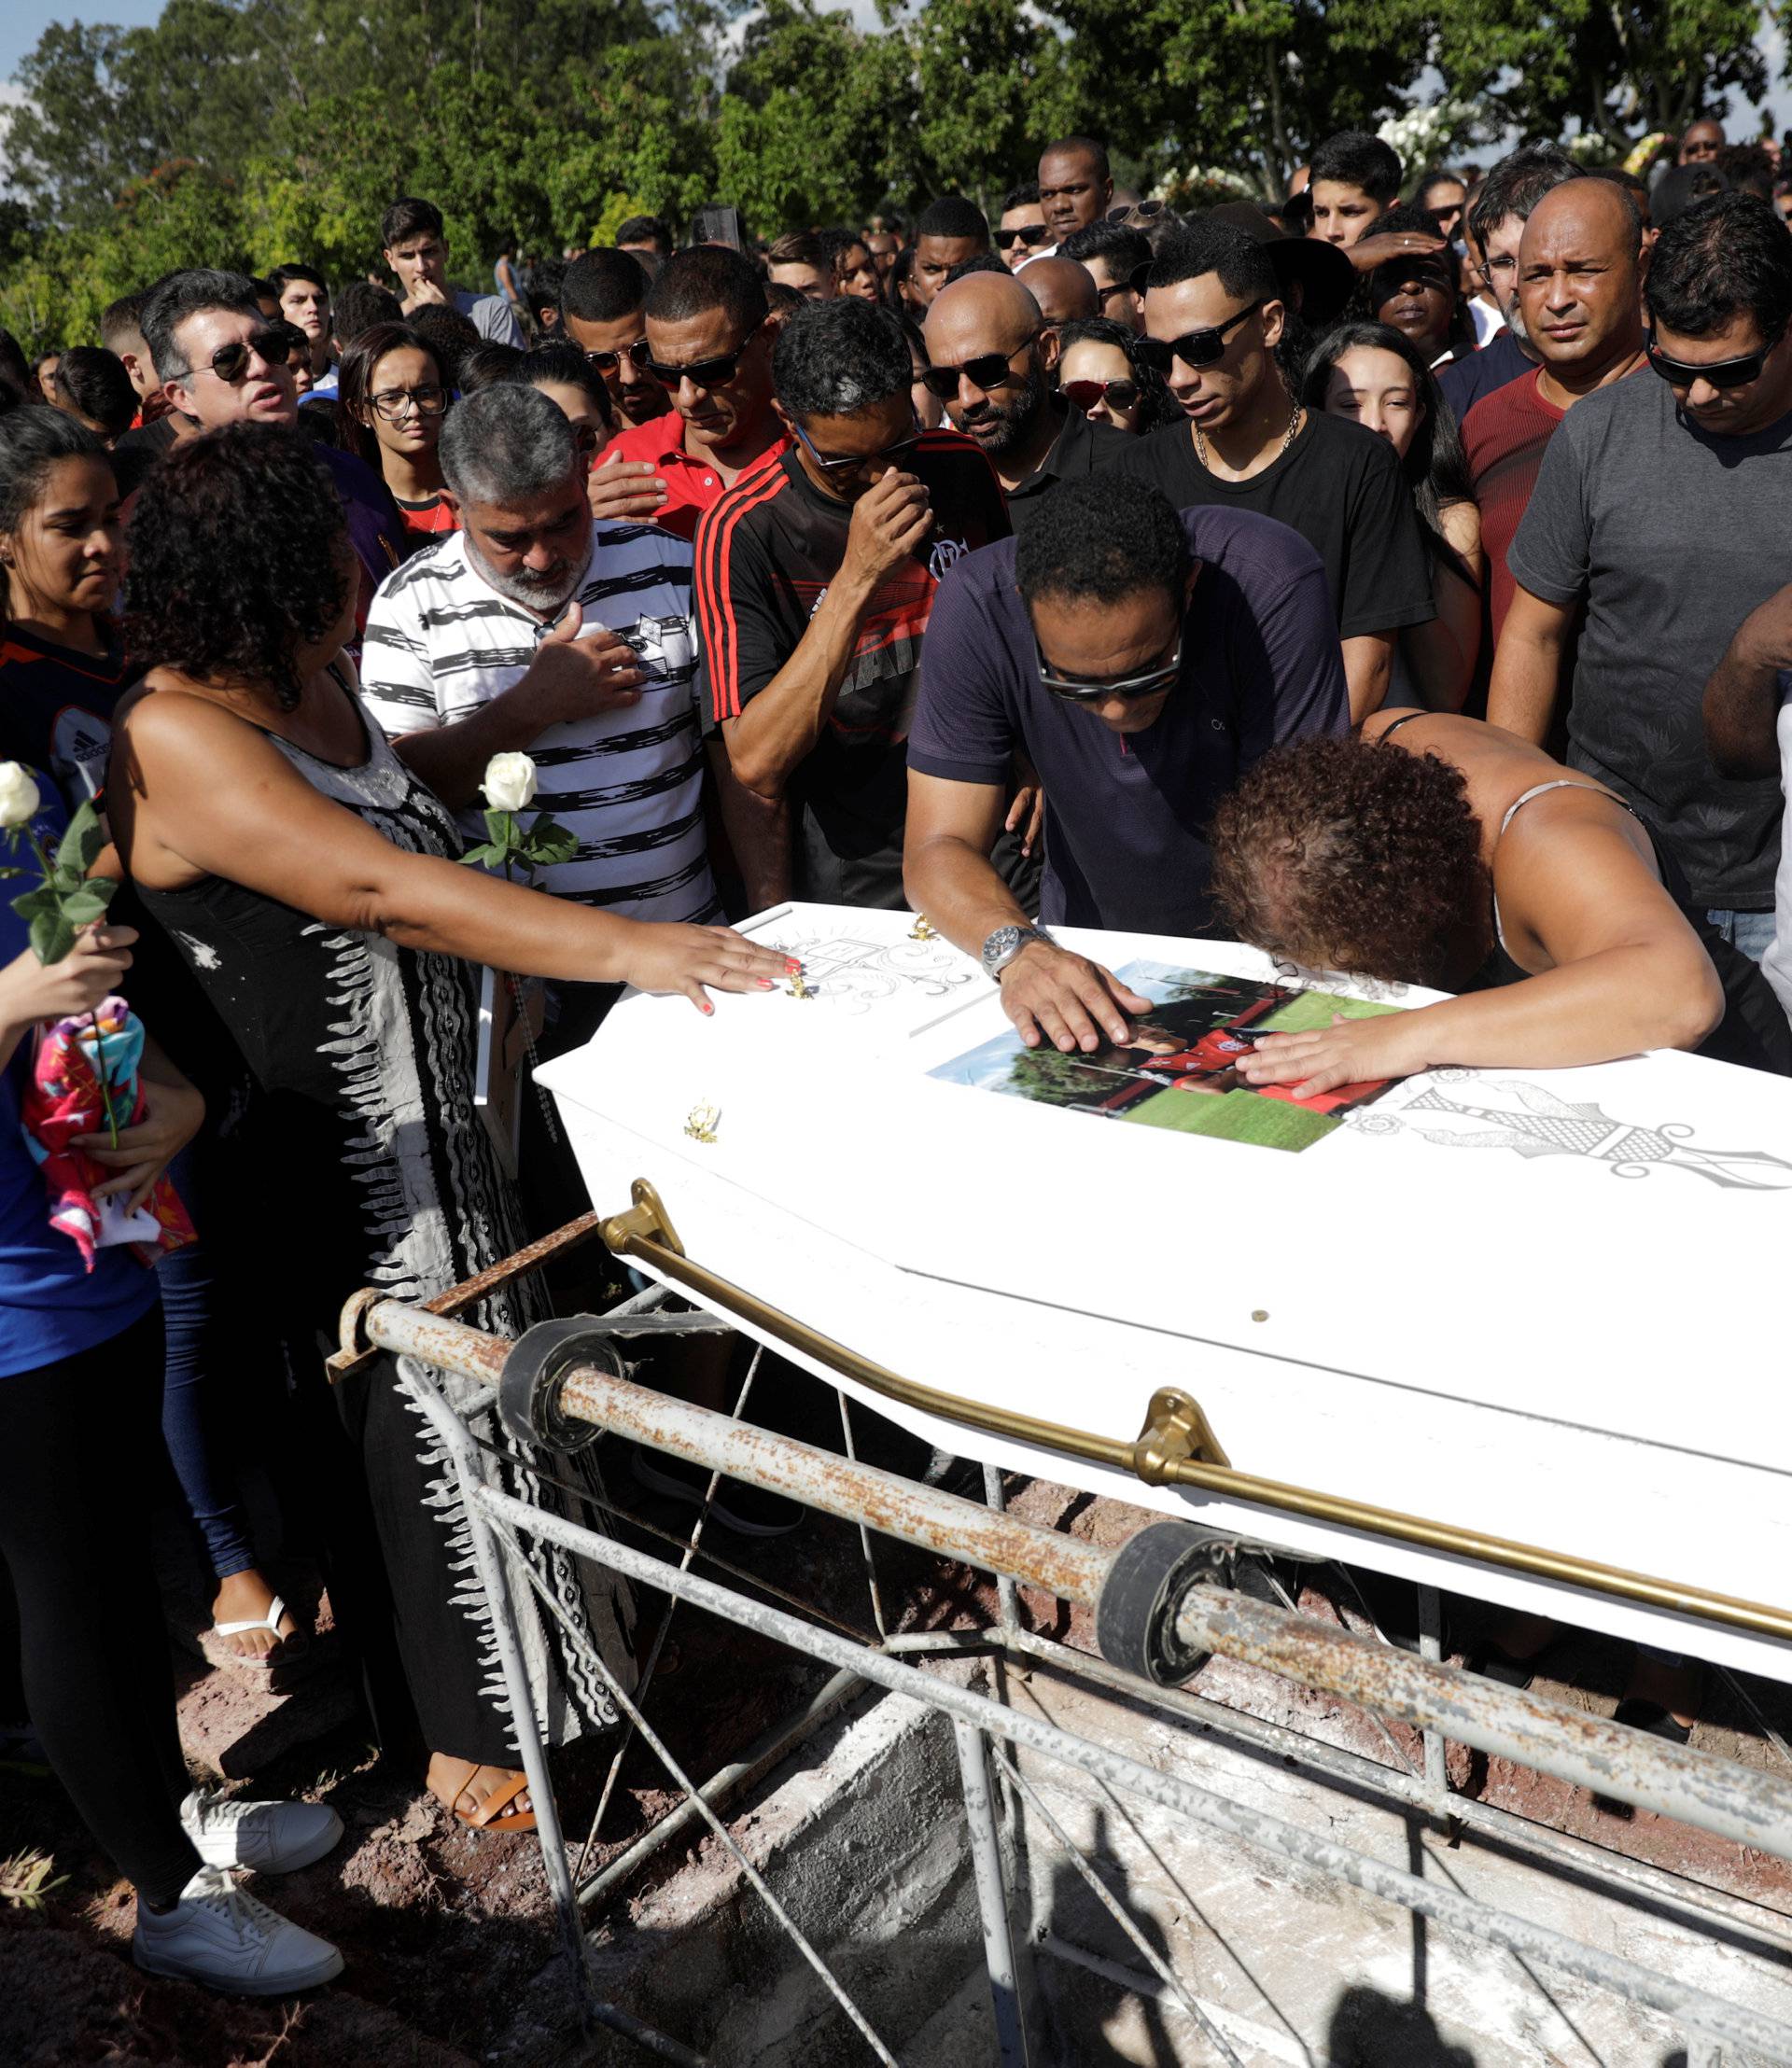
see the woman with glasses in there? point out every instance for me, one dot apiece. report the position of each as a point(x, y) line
point(1375, 376)
point(391, 397)
point(1099, 372)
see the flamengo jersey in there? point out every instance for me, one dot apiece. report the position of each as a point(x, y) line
point(765, 555)
point(440, 643)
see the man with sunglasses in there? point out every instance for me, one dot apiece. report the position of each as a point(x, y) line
point(602, 297)
point(815, 580)
point(992, 356)
point(1112, 254)
point(1657, 525)
point(708, 345)
point(1142, 660)
point(1214, 315)
point(1021, 233)
point(220, 361)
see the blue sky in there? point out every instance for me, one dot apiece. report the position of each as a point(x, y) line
point(22, 22)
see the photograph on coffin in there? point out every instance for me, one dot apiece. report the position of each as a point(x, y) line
point(1180, 1070)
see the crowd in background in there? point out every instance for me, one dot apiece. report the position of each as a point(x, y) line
point(1392, 579)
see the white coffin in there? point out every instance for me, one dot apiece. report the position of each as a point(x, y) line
point(1545, 1305)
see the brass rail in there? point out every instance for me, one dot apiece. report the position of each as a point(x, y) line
point(1169, 1452)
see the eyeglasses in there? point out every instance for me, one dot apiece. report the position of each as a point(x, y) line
point(1032, 235)
point(274, 346)
point(850, 464)
point(1140, 210)
point(1085, 395)
point(1725, 373)
point(988, 370)
point(1076, 689)
point(1194, 347)
point(701, 373)
point(394, 403)
point(637, 355)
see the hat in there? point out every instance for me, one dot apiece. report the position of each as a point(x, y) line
point(1326, 278)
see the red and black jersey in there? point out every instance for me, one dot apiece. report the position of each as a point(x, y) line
point(765, 555)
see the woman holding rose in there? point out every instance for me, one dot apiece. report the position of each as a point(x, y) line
point(310, 881)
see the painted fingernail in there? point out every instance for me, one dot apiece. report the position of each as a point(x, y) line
point(792, 964)
point(765, 983)
point(707, 1006)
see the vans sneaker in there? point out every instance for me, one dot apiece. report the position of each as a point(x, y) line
point(220, 1936)
point(268, 1837)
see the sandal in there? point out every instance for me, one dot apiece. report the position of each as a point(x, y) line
point(283, 1651)
point(489, 1815)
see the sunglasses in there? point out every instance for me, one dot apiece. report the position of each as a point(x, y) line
point(272, 346)
point(1032, 235)
point(1136, 211)
point(701, 373)
point(1194, 347)
point(1127, 688)
point(1725, 373)
point(852, 463)
point(637, 355)
point(1085, 395)
point(988, 370)
point(392, 403)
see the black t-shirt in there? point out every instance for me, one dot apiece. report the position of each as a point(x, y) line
point(765, 555)
point(1080, 449)
point(1126, 832)
point(1342, 488)
point(56, 711)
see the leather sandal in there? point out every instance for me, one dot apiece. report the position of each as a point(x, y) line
point(489, 1815)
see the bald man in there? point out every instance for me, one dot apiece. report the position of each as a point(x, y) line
point(1702, 141)
point(993, 351)
point(1578, 284)
point(1065, 291)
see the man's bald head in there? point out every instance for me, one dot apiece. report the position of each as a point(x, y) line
point(990, 321)
point(1579, 279)
point(1064, 290)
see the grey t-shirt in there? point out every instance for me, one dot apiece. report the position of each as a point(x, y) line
point(1670, 538)
point(493, 317)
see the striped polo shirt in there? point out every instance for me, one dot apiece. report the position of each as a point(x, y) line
point(628, 784)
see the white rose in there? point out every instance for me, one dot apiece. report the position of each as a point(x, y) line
point(19, 799)
point(509, 781)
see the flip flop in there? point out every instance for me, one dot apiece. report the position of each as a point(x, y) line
point(285, 1649)
point(489, 1815)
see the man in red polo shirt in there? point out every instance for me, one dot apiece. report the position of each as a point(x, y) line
point(709, 346)
point(1579, 282)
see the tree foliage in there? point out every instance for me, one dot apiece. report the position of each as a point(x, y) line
point(253, 131)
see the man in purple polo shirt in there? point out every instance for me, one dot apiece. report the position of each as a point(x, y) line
point(1142, 660)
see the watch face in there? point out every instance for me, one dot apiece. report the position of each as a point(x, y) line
point(1000, 947)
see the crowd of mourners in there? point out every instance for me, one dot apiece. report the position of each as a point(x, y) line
point(1391, 579)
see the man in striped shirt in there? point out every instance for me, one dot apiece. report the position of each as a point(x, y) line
point(535, 629)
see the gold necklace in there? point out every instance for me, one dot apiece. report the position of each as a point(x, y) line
point(1288, 437)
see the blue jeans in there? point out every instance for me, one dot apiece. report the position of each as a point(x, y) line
point(1750, 932)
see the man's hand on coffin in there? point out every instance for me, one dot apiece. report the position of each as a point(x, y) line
point(667, 958)
point(889, 521)
point(572, 679)
point(1054, 995)
point(1349, 1052)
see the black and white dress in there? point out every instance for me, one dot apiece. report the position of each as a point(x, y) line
point(377, 1170)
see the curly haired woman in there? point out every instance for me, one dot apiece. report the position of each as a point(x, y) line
point(1434, 849)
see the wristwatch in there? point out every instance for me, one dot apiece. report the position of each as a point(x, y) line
point(1006, 942)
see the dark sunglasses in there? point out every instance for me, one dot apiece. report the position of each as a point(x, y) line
point(637, 355)
point(272, 346)
point(988, 370)
point(1194, 347)
point(857, 462)
point(1085, 395)
point(1127, 688)
point(1145, 209)
point(1725, 373)
point(701, 373)
point(1031, 235)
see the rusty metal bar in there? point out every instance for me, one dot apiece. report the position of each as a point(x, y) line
point(1732, 2024)
point(645, 1233)
point(856, 1492)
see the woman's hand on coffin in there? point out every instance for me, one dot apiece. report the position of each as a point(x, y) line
point(1053, 995)
point(1349, 1052)
point(672, 957)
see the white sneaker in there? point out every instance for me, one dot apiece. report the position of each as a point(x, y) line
point(224, 1938)
point(270, 1838)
